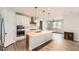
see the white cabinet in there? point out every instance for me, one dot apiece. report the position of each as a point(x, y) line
point(38, 38)
point(24, 21)
point(19, 19)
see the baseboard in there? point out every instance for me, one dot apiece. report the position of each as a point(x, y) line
point(58, 32)
point(41, 46)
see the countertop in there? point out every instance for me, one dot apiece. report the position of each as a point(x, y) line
point(38, 33)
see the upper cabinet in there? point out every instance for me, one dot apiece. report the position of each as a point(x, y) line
point(22, 20)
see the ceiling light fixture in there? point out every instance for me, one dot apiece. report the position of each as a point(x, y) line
point(43, 14)
point(34, 18)
point(48, 15)
point(35, 13)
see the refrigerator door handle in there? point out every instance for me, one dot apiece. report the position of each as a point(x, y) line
point(3, 29)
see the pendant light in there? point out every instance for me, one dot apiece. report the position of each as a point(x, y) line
point(35, 13)
point(43, 14)
point(48, 16)
point(35, 17)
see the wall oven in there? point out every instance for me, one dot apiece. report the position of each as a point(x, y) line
point(20, 30)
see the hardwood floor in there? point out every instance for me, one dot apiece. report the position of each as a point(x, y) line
point(58, 44)
point(17, 46)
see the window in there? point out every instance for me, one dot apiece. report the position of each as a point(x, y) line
point(54, 24)
point(57, 24)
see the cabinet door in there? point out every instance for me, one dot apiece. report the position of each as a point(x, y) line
point(19, 19)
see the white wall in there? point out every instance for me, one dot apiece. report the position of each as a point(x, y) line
point(71, 24)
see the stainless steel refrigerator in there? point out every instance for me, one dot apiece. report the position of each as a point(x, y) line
point(2, 35)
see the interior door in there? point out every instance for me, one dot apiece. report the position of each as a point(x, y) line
point(10, 27)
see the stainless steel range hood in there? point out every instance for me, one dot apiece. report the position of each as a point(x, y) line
point(32, 20)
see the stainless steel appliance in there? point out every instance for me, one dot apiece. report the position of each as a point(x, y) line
point(20, 30)
point(2, 35)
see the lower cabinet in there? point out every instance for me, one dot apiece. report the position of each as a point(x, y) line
point(69, 35)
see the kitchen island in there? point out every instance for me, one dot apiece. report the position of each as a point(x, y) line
point(35, 39)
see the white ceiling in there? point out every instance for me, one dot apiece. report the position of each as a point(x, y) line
point(55, 12)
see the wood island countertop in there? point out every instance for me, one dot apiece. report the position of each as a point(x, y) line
point(38, 33)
